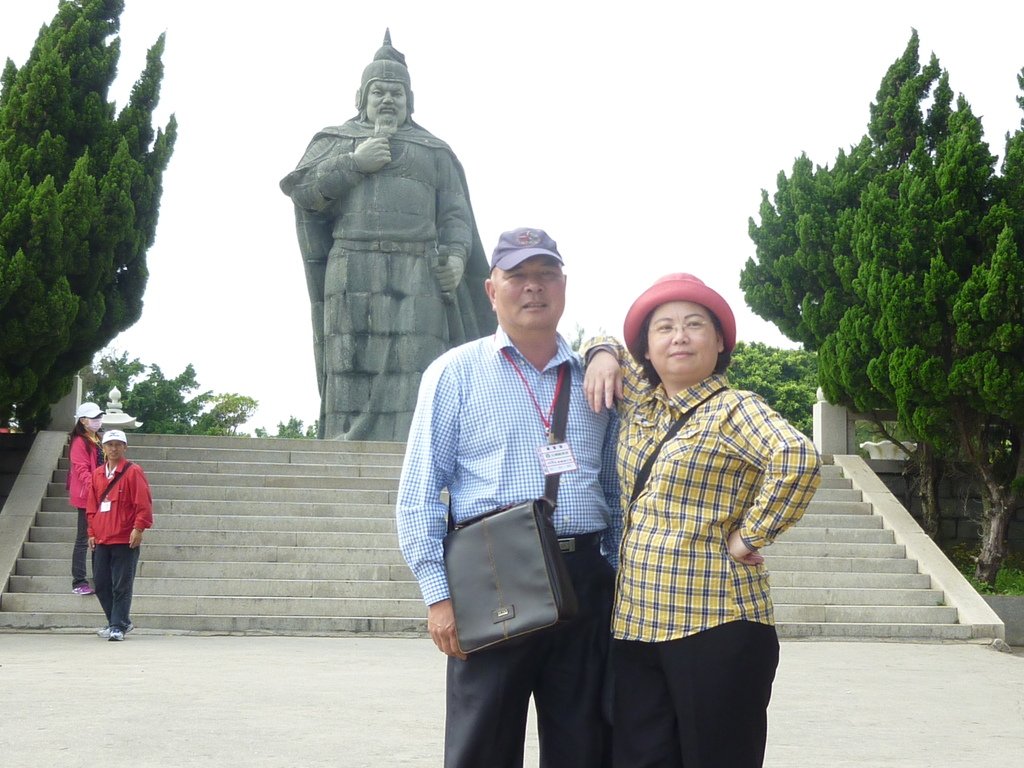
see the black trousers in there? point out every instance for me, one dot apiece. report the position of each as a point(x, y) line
point(564, 669)
point(697, 702)
point(79, 550)
point(113, 573)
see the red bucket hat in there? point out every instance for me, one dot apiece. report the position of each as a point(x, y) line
point(678, 286)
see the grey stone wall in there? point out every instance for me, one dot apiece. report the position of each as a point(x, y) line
point(1010, 609)
point(959, 500)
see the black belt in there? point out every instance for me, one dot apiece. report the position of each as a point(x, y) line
point(583, 541)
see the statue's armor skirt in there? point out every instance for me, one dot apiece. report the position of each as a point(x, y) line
point(384, 322)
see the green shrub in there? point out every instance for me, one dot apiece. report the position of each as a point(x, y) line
point(1009, 580)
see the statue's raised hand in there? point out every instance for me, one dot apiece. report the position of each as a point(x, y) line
point(372, 155)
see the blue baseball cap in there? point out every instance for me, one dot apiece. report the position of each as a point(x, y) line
point(517, 245)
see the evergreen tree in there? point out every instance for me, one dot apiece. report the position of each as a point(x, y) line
point(79, 195)
point(165, 406)
point(294, 429)
point(227, 413)
point(786, 378)
point(902, 265)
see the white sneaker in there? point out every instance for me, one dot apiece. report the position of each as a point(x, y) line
point(116, 634)
point(105, 631)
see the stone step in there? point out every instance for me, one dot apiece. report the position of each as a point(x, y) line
point(89, 621)
point(272, 539)
point(140, 440)
point(866, 614)
point(833, 549)
point(855, 596)
point(232, 553)
point(835, 535)
point(232, 570)
point(60, 526)
point(778, 562)
point(851, 579)
point(836, 482)
point(58, 567)
point(343, 505)
point(285, 495)
point(189, 605)
point(873, 631)
point(843, 508)
point(837, 494)
point(818, 520)
point(213, 507)
point(143, 455)
point(160, 480)
point(224, 587)
point(255, 468)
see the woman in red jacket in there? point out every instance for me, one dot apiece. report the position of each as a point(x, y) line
point(119, 509)
point(85, 455)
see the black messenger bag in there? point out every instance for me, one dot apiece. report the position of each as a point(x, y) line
point(506, 575)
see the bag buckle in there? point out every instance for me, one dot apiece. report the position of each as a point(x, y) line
point(567, 545)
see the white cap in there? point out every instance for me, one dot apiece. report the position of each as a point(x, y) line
point(88, 411)
point(114, 434)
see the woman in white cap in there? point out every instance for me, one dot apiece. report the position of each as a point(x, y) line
point(709, 475)
point(85, 455)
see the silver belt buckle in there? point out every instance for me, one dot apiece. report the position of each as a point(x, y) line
point(567, 545)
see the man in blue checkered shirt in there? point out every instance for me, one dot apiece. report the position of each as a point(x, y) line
point(483, 412)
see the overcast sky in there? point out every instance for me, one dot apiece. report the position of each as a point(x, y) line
point(639, 135)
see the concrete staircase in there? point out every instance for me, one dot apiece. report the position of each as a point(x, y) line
point(271, 536)
point(839, 573)
point(298, 537)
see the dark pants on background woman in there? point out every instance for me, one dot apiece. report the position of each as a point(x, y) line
point(78, 553)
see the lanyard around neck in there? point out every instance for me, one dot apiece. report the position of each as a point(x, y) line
point(545, 419)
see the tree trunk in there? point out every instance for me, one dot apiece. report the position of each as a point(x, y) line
point(926, 484)
point(995, 525)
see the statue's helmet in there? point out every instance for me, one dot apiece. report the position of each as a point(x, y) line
point(388, 64)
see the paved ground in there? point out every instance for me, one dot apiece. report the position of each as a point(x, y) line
point(71, 700)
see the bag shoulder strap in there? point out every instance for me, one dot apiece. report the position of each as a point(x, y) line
point(645, 470)
point(114, 480)
point(559, 419)
point(558, 423)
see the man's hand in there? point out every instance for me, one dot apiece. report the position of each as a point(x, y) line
point(441, 624)
point(740, 552)
point(448, 268)
point(135, 538)
point(92, 543)
point(372, 155)
point(602, 381)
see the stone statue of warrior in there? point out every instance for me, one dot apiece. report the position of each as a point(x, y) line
point(394, 263)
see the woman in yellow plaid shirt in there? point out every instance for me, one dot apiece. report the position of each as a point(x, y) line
point(695, 648)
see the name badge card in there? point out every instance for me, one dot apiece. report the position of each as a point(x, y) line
point(557, 458)
point(104, 506)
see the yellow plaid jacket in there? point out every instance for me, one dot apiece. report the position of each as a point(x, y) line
point(735, 464)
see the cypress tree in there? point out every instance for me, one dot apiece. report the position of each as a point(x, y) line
point(902, 265)
point(80, 188)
